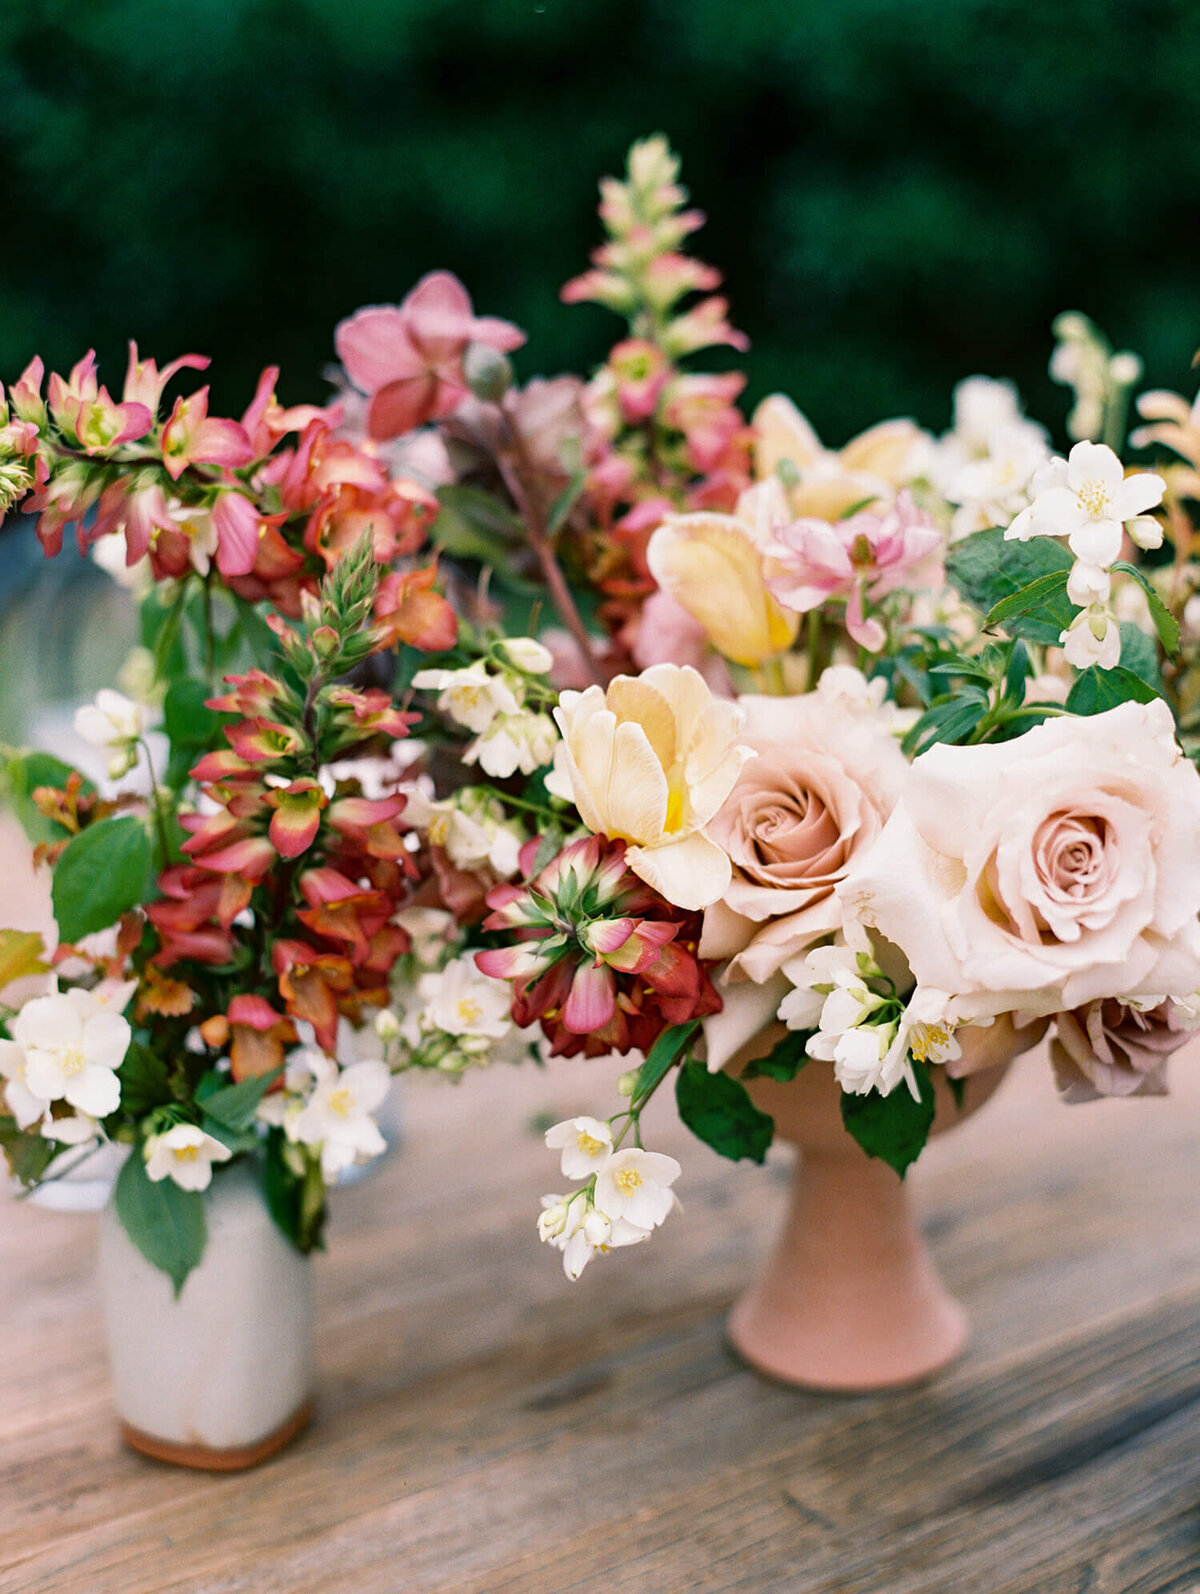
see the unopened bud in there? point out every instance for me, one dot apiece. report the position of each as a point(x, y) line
point(627, 1083)
point(387, 1025)
point(489, 373)
point(325, 639)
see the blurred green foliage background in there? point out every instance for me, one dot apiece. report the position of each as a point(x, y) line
point(901, 192)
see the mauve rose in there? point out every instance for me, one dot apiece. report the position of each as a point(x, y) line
point(1041, 874)
point(1108, 1049)
point(826, 777)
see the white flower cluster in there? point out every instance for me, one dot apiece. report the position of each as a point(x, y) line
point(459, 1019)
point(60, 1066)
point(114, 722)
point(985, 464)
point(868, 1037)
point(627, 1196)
point(471, 826)
point(489, 698)
point(329, 1109)
point(1088, 499)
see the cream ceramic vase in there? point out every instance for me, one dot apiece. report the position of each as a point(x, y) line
point(222, 1377)
point(850, 1299)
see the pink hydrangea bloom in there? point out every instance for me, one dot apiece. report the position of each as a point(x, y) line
point(408, 357)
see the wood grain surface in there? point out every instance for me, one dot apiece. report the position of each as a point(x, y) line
point(486, 1428)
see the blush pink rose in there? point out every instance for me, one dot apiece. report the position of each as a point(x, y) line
point(1108, 1049)
point(1042, 874)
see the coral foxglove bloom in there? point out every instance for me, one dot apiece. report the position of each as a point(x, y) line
point(712, 565)
point(1088, 499)
point(72, 1047)
point(599, 960)
point(186, 1155)
point(650, 762)
point(193, 437)
point(1040, 874)
point(861, 558)
point(585, 1143)
point(408, 357)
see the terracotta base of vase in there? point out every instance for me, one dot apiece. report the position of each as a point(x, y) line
point(850, 1301)
point(206, 1458)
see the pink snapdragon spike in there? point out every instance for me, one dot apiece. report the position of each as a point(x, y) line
point(193, 437)
point(101, 424)
point(408, 358)
point(144, 382)
point(642, 371)
point(862, 557)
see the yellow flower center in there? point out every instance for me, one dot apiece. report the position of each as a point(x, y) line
point(627, 1180)
point(588, 1144)
point(186, 1153)
point(927, 1040)
point(468, 1010)
point(439, 829)
point(467, 697)
point(674, 819)
point(73, 1061)
point(341, 1101)
point(1096, 500)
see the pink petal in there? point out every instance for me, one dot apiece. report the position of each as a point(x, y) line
point(220, 442)
point(502, 335)
point(592, 1000)
point(375, 347)
point(293, 830)
point(438, 316)
point(401, 406)
point(236, 521)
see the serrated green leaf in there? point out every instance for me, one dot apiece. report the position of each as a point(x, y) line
point(234, 1106)
point(784, 1062)
point(166, 1223)
point(102, 873)
point(950, 721)
point(1096, 691)
point(893, 1128)
point(986, 569)
point(1165, 623)
point(718, 1110)
point(1044, 599)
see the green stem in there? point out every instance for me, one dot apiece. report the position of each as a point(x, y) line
point(813, 647)
point(156, 808)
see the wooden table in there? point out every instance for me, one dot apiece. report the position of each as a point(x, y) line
point(484, 1426)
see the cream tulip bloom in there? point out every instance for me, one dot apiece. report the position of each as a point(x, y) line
point(649, 762)
point(712, 565)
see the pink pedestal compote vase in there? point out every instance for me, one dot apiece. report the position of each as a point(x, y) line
point(850, 1299)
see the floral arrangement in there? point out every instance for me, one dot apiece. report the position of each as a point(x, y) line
point(596, 719)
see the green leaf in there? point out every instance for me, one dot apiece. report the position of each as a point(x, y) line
point(166, 1224)
point(27, 1153)
point(1096, 691)
point(986, 569)
point(1139, 654)
point(1045, 599)
point(471, 524)
point(1164, 621)
point(666, 1049)
point(187, 720)
point(718, 1110)
point(23, 774)
point(1016, 674)
point(893, 1128)
point(102, 873)
point(785, 1062)
point(951, 720)
point(565, 503)
point(233, 1106)
point(296, 1202)
point(145, 1080)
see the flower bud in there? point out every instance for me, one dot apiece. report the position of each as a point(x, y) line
point(387, 1026)
point(488, 372)
point(627, 1083)
point(325, 640)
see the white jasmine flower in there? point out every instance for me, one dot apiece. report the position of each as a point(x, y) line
point(73, 1129)
point(185, 1154)
point(527, 654)
point(112, 721)
point(857, 1055)
point(1088, 499)
point(636, 1185)
point(847, 688)
point(1088, 584)
point(512, 742)
point(460, 1000)
point(338, 1116)
point(1093, 637)
point(574, 1226)
point(73, 1046)
point(585, 1143)
point(470, 827)
point(472, 696)
point(25, 1106)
